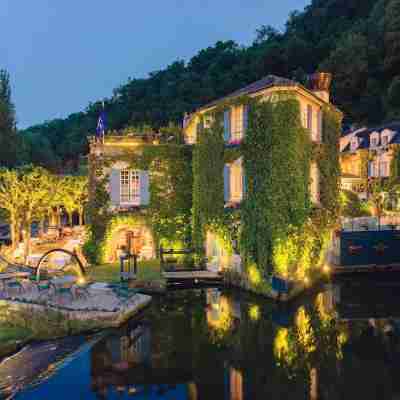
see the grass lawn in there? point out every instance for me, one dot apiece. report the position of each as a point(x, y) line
point(10, 336)
point(147, 270)
point(11, 333)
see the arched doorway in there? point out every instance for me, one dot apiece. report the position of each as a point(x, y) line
point(128, 233)
point(137, 240)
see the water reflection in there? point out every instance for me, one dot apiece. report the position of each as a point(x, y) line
point(343, 342)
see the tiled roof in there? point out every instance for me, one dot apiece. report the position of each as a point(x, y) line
point(264, 83)
point(365, 133)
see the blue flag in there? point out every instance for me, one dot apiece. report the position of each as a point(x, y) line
point(101, 124)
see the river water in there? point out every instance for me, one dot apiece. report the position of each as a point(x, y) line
point(340, 342)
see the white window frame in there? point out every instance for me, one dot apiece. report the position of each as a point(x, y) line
point(129, 187)
point(385, 140)
point(374, 140)
point(237, 115)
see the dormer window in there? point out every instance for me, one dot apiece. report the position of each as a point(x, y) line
point(375, 140)
point(385, 140)
point(354, 144)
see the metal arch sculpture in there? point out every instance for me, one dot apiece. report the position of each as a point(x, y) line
point(70, 253)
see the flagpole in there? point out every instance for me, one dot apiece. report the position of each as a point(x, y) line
point(104, 128)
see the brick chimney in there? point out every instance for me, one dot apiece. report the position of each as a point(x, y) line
point(320, 84)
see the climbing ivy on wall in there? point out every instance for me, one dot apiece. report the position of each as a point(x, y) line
point(278, 229)
point(277, 154)
point(328, 162)
point(170, 193)
point(395, 166)
point(98, 213)
point(208, 179)
point(169, 210)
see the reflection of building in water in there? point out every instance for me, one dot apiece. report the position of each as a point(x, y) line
point(222, 311)
point(123, 363)
point(235, 384)
point(133, 347)
point(118, 354)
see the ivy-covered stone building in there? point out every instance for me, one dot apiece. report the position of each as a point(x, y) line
point(266, 178)
point(253, 187)
point(140, 195)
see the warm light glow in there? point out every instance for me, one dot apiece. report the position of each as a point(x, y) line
point(219, 315)
point(281, 346)
point(254, 312)
point(254, 275)
point(306, 281)
point(81, 281)
point(305, 331)
point(326, 269)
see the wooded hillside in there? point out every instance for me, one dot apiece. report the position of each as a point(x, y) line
point(357, 40)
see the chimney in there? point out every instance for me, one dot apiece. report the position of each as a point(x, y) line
point(320, 84)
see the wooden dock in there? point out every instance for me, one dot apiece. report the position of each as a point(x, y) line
point(200, 277)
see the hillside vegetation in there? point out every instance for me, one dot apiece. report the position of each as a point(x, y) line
point(357, 40)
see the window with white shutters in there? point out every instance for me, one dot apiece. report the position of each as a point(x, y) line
point(130, 187)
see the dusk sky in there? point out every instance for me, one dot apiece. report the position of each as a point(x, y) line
point(64, 54)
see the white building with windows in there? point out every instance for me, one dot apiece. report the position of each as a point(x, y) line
point(129, 191)
point(378, 146)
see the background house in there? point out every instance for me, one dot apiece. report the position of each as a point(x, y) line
point(366, 154)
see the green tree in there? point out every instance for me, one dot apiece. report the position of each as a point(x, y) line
point(11, 201)
point(8, 134)
point(38, 192)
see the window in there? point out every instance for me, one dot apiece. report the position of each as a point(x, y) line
point(208, 121)
point(236, 123)
point(374, 141)
point(374, 169)
point(314, 184)
point(236, 182)
point(354, 144)
point(130, 187)
point(383, 169)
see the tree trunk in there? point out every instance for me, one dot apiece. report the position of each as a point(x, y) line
point(41, 227)
point(80, 218)
point(53, 217)
point(69, 215)
point(59, 222)
point(27, 239)
point(14, 232)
